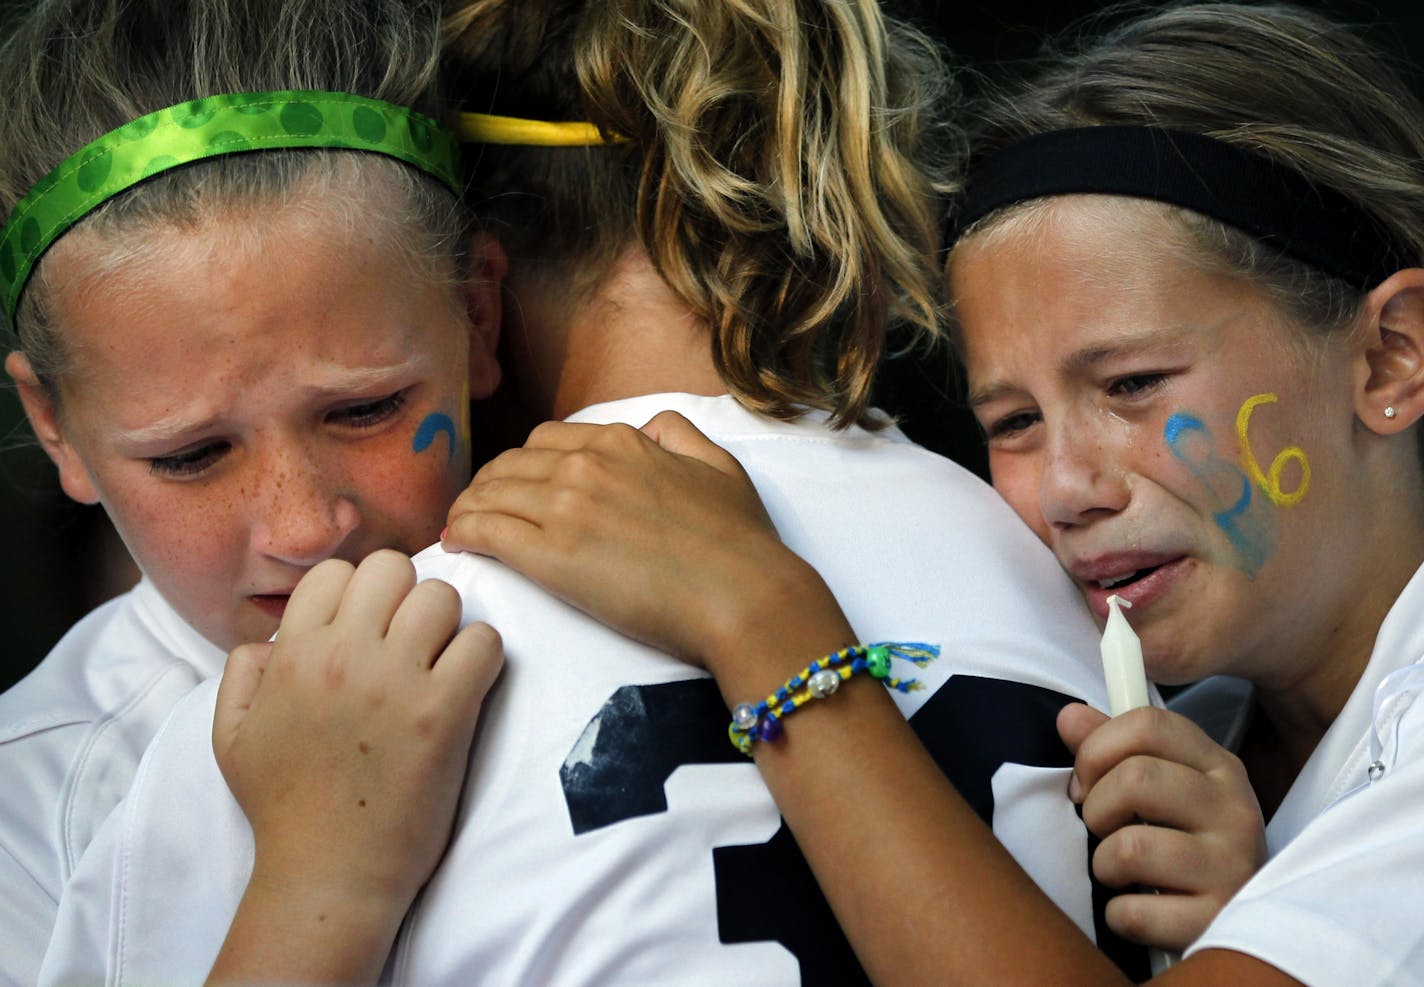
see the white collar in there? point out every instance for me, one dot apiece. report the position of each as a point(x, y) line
point(175, 634)
point(1360, 735)
point(721, 414)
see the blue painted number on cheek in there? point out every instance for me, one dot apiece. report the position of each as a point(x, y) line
point(433, 425)
point(1248, 536)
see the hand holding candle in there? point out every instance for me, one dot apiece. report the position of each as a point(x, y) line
point(1122, 661)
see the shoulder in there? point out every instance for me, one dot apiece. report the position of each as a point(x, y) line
point(913, 544)
point(132, 902)
point(26, 908)
point(1332, 905)
point(73, 730)
point(103, 661)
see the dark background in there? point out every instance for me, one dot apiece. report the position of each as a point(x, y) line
point(58, 560)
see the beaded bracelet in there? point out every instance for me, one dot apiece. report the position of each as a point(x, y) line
point(820, 679)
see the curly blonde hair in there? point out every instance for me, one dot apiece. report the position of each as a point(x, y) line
point(782, 163)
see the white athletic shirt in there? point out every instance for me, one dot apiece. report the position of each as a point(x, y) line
point(1335, 904)
point(71, 735)
point(610, 833)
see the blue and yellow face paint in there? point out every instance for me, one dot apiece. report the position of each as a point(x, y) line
point(1233, 505)
point(1244, 497)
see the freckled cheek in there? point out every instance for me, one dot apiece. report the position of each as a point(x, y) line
point(409, 491)
point(192, 544)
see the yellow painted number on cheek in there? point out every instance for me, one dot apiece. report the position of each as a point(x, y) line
point(1270, 482)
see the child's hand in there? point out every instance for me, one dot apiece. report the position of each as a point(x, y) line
point(1175, 812)
point(656, 532)
point(347, 739)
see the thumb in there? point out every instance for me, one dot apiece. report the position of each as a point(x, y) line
point(240, 680)
point(1076, 721)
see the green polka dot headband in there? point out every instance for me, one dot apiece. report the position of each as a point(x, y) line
point(205, 128)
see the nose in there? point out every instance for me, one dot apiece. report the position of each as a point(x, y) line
point(301, 513)
point(1081, 479)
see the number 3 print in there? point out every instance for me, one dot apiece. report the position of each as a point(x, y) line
point(972, 726)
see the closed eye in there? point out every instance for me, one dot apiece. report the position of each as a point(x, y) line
point(368, 414)
point(1135, 385)
point(189, 462)
point(1011, 425)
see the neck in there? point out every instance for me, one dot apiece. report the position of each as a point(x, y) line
point(1303, 704)
point(630, 336)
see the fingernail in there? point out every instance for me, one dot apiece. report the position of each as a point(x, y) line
point(443, 532)
point(1075, 788)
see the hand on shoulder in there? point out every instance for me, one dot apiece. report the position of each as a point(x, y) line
point(657, 532)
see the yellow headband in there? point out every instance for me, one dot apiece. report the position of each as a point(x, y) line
point(484, 128)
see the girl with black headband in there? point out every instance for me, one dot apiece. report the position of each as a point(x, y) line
point(233, 259)
point(1186, 286)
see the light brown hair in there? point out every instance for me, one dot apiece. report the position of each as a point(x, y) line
point(1278, 80)
point(75, 69)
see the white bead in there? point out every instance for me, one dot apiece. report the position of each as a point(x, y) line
point(824, 683)
point(744, 716)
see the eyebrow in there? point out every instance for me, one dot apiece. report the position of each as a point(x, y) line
point(340, 383)
point(1086, 359)
point(992, 392)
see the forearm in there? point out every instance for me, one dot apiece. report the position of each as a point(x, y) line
point(921, 887)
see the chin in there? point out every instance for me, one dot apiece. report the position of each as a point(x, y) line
point(1174, 666)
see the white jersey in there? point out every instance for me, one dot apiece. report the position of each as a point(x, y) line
point(610, 833)
point(71, 735)
point(1332, 904)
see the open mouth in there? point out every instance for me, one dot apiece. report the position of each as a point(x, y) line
point(1127, 579)
point(272, 604)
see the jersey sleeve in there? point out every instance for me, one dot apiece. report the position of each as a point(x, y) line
point(177, 822)
point(25, 911)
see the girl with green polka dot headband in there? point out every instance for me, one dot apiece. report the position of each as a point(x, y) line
point(204, 128)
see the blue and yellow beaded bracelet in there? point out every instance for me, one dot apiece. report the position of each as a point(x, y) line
point(820, 679)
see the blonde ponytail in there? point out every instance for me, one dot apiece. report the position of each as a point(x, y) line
point(782, 169)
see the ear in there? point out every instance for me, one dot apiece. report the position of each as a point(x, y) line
point(1389, 396)
point(43, 414)
point(484, 300)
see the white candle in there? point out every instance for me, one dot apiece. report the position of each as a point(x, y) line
point(1127, 689)
point(1122, 661)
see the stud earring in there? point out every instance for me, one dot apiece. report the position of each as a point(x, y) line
point(1389, 411)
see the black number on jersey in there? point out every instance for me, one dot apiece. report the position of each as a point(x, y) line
point(972, 726)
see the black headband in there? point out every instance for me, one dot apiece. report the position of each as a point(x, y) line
point(1249, 191)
